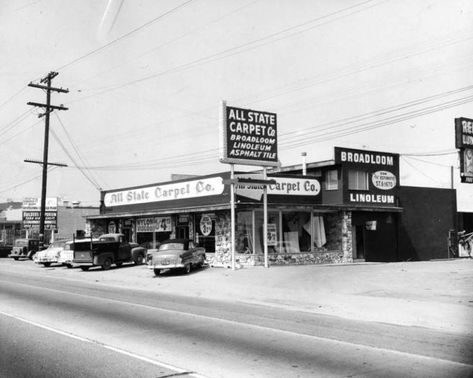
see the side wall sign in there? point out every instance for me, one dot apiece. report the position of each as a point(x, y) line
point(248, 137)
point(464, 142)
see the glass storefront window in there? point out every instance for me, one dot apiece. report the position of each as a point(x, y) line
point(244, 232)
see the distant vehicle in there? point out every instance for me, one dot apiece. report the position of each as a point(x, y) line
point(109, 249)
point(176, 254)
point(25, 248)
point(49, 255)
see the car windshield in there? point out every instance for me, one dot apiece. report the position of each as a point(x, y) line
point(57, 244)
point(21, 243)
point(169, 246)
point(107, 238)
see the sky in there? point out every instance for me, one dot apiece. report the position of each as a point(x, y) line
point(146, 79)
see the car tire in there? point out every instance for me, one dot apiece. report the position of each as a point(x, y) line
point(107, 264)
point(187, 269)
point(69, 266)
point(139, 260)
point(85, 268)
point(16, 258)
point(47, 264)
point(157, 272)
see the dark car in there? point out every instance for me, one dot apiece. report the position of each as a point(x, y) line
point(176, 254)
point(25, 248)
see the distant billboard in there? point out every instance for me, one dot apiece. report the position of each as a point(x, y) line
point(464, 142)
point(248, 137)
point(463, 133)
point(31, 209)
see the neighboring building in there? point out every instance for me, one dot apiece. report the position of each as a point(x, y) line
point(10, 222)
point(344, 210)
point(68, 217)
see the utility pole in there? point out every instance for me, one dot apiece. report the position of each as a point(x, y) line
point(49, 108)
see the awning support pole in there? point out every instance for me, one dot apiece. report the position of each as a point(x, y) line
point(265, 219)
point(232, 213)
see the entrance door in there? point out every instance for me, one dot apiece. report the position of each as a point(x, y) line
point(359, 247)
point(182, 232)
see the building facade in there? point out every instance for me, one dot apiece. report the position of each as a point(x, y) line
point(348, 209)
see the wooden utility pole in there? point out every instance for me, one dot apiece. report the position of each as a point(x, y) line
point(49, 108)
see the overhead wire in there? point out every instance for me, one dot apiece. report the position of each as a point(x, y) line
point(82, 159)
point(241, 48)
point(122, 37)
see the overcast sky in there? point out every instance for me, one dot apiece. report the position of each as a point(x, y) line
point(146, 79)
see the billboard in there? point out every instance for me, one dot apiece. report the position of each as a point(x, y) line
point(248, 137)
point(464, 142)
point(31, 209)
point(463, 133)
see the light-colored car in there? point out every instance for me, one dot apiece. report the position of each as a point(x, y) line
point(49, 255)
point(176, 254)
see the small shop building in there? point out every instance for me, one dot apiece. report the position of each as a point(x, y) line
point(343, 210)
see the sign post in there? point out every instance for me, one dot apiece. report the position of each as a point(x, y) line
point(248, 137)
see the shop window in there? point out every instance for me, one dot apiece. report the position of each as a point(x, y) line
point(357, 180)
point(244, 232)
point(331, 180)
point(297, 229)
point(273, 227)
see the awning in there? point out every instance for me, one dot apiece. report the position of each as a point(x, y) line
point(153, 213)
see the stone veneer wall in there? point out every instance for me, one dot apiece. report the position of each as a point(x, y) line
point(338, 248)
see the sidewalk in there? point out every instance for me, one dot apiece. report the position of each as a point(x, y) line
point(434, 294)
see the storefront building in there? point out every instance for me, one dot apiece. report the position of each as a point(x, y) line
point(337, 211)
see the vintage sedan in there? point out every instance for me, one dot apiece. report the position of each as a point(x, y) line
point(50, 255)
point(176, 254)
point(25, 248)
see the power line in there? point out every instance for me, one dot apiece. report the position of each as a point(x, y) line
point(12, 97)
point(90, 177)
point(225, 53)
point(126, 35)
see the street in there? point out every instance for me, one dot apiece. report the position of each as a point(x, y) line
point(67, 327)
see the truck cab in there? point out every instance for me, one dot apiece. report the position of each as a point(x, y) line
point(109, 249)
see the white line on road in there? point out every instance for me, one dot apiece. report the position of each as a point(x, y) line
point(265, 328)
point(112, 348)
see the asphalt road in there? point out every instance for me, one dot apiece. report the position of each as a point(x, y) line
point(73, 328)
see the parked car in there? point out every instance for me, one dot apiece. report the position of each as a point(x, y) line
point(66, 255)
point(176, 254)
point(49, 255)
point(25, 248)
point(107, 250)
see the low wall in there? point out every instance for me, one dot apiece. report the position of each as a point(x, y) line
point(301, 258)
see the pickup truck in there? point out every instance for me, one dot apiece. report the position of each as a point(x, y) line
point(109, 249)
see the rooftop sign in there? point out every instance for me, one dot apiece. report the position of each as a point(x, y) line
point(248, 137)
point(463, 133)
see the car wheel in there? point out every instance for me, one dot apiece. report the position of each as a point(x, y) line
point(187, 269)
point(157, 272)
point(85, 268)
point(47, 264)
point(139, 260)
point(69, 266)
point(107, 264)
point(16, 258)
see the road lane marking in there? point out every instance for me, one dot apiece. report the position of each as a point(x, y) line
point(264, 328)
point(109, 347)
